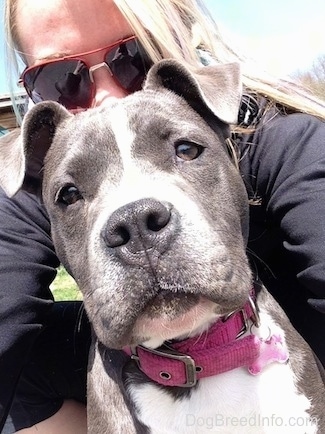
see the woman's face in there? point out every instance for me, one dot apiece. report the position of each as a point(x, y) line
point(55, 28)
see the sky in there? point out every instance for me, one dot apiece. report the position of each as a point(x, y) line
point(282, 35)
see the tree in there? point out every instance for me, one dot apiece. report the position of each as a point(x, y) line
point(314, 79)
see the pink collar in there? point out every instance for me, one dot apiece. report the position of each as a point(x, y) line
point(218, 350)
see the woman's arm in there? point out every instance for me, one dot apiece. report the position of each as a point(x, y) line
point(27, 267)
point(286, 171)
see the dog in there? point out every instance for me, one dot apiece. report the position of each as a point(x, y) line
point(149, 214)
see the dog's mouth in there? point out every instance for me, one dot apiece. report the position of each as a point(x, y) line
point(171, 316)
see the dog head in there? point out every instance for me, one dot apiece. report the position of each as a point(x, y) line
point(148, 212)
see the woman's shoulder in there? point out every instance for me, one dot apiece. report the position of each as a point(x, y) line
point(276, 123)
point(281, 122)
point(288, 141)
point(280, 144)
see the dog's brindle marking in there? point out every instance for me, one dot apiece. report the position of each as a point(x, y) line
point(150, 216)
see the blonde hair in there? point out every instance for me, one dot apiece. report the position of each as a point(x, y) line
point(177, 29)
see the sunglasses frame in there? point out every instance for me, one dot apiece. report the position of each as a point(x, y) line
point(80, 57)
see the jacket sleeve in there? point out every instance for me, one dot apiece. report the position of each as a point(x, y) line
point(289, 173)
point(283, 166)
point(27, 267)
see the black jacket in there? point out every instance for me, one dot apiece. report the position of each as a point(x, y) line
point(27, 266)
point(283, 167)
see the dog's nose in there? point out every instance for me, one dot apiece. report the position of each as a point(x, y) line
point(137, 229)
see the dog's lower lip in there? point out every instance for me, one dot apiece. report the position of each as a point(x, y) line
point(167, 300)
point(150, 329)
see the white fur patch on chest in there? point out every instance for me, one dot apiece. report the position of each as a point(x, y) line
point(234, 402)
point(231, 403)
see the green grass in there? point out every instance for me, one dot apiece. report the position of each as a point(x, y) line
point(64, 287)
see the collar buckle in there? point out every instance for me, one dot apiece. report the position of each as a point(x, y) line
point(255, 313)
point(248, 312)
point(170, 353)
point(245, 320)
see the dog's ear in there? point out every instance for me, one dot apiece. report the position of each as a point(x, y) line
point(217, 88)
point(22, 152)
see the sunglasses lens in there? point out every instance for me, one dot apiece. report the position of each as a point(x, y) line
point(129, 65)
point(65, 81)
point(68, 82)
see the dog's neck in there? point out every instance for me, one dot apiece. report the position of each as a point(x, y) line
point(221, 348)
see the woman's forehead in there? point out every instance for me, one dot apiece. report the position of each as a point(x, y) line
point(53, 27)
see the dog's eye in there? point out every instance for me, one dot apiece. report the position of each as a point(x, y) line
point(69, 195)
point(187, 150)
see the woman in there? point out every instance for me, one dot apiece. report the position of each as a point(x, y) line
point(43, 348)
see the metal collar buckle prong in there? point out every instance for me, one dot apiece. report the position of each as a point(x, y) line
point(255, 318)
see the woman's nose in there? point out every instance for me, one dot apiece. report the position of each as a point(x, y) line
point(105, 86)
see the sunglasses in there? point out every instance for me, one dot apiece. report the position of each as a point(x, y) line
point(69, 80)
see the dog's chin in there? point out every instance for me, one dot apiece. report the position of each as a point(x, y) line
point(152, 330)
